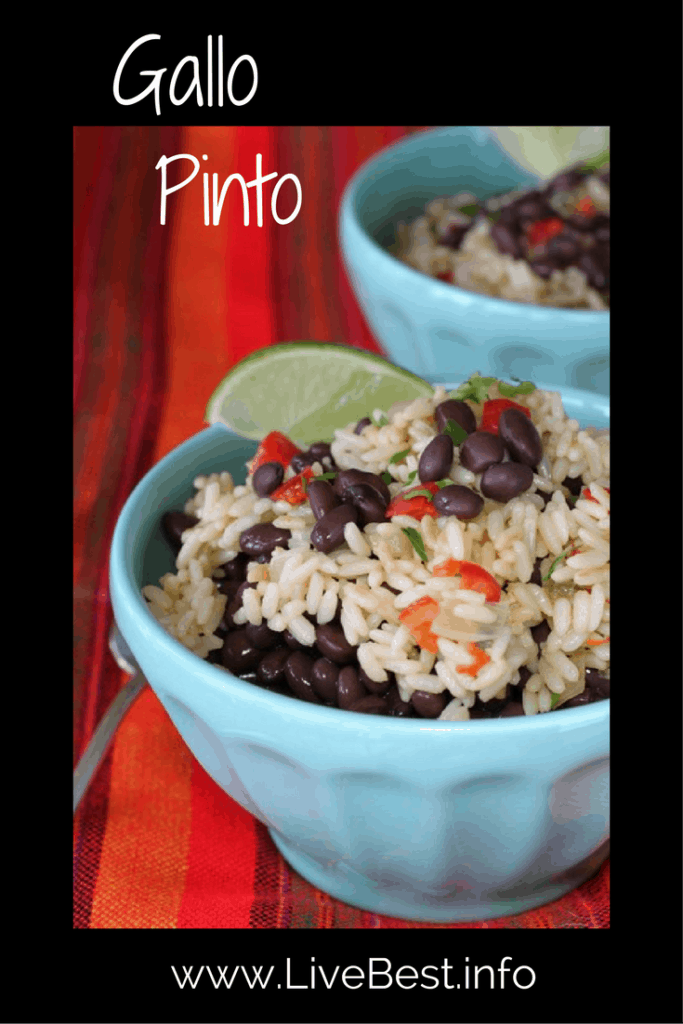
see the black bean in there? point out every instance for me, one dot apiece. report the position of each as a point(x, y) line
point(267, 477)
point(429, 705)
point(299, 673)
point(371, 507)
point(506, 481)
point(563, 249)
point(229, 588)
point(597, 683)
point(456, 500)
point(349, 687)
point(239, 654)
point(293, 643)
point(454, 234)
point(573, 484)
point(540, 633)
point(350, 477)
point(536, 573)
point(362, 424)
point(324, 678)
point(301, 460)
point(263, 538)
point(591, 265)
point(532, 207)
point(544, 267)
point(565, 181)
point(399, 708)
point(370, 705)
point(320, 449)
point(460, 412)
point(233, 605)
point(520, 437)
point(332, 644)
point(174, 524)
point(328, 532)
point(524, 677)
point(481, 450)
point(505, 240)
point(321, 497)
point(512, 709)
point(579, 701)
point(262, 636)
point(236, 569)
point(605, 177)
point(435, 461)
point(380, 689)
point(271, 668)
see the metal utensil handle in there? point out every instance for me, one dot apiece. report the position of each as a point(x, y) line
point(104, 734)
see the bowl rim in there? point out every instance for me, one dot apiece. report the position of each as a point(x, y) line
point(122, 584)
point(451, 293)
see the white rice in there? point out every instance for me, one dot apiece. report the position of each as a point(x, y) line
point(570, 537)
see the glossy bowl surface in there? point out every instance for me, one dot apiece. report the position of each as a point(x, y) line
point(420, 819)
point(431, 327)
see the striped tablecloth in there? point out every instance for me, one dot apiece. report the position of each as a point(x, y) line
point(161, 314)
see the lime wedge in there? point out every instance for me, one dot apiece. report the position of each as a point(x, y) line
point(547, 149)
point(307, 390)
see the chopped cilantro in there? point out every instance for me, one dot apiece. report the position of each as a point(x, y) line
point(552, 568)
point(325, 476)
point(525, 387)
point(444, 483)
point(398, 456)
point(387, 477)
point(415, 538)
point(554, 699)
point(494, 215)
point(416, 494)
point(411, 476)
point(470, 210)
point(455, 432)
point(476, 389)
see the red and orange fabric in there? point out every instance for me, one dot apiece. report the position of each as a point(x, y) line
point(160, 315)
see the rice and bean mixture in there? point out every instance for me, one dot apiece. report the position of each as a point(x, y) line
point(547, 246)
point(447, 558)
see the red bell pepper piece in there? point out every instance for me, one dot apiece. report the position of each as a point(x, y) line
point(417, 507)
point(474, 577)
point(418, 617)
point(492, 412)
point(480, 659)
point(274, 447)
point(585, 206)
point(543, 230)
point(293, 490)
point(445, 275)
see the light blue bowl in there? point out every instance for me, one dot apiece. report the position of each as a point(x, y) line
point(431, 327)
point(415, 818)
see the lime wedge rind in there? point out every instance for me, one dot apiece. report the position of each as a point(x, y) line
point(307, 390)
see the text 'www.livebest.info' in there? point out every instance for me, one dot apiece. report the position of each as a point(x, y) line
point(379, 973)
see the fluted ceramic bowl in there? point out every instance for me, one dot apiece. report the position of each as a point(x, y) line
point(434, 328)
point(415, 818)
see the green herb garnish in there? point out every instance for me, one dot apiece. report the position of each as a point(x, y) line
point(559, 558)
point(476, 389)
point(444, 483)
point(470, 210)
point(411, 476)
point(415, 538)
point(416, 494)
point(455, 432)
point(594, 163)
point(525, 387)
point(382, 421)
point(325, 476)
point(494, 215)
point(387, 477)
point(397, 456)
point(554, 699)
